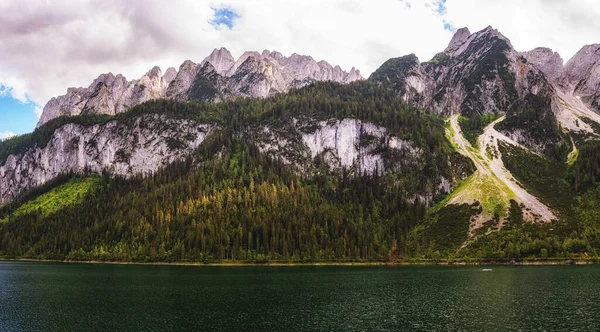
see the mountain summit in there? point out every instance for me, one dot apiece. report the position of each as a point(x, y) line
point(481, 73)
point(216, 78)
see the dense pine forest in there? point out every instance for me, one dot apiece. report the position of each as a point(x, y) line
point(230, 202)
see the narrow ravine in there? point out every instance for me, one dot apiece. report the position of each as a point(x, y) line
point(574, 154)
point(492, 184)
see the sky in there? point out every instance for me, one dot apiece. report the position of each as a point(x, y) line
point(47, 46)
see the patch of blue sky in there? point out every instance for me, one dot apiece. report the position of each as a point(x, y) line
point(16, 116)
point(224, 16)
point(441, 9)
point(441, 6)
point(449, 27)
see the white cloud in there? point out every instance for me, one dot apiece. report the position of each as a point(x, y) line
point(14, 88)
point(55, 45)
point(38, 112)
point(7, 134)
point(563, 25)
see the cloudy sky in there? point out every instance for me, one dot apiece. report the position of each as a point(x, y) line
point(47, 46)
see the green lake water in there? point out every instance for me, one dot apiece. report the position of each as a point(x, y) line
point(97, 297)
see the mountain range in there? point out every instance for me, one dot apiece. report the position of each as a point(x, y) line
point(216, 78)
point(483, 152)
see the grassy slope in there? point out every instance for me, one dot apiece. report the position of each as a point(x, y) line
point(493, 195)
point(69, 193)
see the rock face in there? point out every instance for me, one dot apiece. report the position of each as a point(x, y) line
point(351, 144)
point(109, 94)
point(583, 73)
point(143, 144)
point(478, 74)
point(119, 148)
point(354, 146)
point(550, 63)
point(216, 78)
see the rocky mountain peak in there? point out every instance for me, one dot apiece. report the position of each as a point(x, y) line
point(241, 60)
point(549, 62)
point(480, 42)
point(273, 54)
point(583, 62)
point(152, 85)
point(106, 78)
point(183, 80)
point(218, 77)
point(170, 74)
point(588, 50)
point(478, 73)
point(252, 63)
point(154, 72)
point(299, 58)
point(583, 75)
point(221, 59)
point(459, 38)
point(354, 75)
point(491, 32)
point(411, 58)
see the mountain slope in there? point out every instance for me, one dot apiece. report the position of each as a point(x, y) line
point(241, 206)
point(321, 128)
point(541, 107)
point(496, 159)
point(479, 74)
point(328, 171)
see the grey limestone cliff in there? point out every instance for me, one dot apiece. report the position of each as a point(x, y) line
point(126, 149)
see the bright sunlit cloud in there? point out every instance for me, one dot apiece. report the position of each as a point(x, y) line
point(7, 134)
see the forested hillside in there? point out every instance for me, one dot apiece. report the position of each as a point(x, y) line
point(230, 201)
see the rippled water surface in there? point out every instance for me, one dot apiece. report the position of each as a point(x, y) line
point(82, 297)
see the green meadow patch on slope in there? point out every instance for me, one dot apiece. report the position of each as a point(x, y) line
point(487, 189)
point(70, 193)
point(483, 185)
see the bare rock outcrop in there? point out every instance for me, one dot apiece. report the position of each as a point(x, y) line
point(583, 73)
point(120, 148)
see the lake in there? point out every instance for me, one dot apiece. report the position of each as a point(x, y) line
point(88, 297)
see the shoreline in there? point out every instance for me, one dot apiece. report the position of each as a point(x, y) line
point(561, 262)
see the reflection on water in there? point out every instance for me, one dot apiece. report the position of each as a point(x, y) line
point(76, 297)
